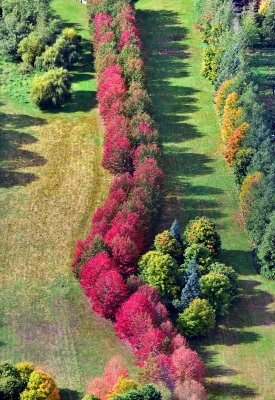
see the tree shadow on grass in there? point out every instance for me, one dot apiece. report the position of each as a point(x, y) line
point(166, 60)
point(68, 394)
point(166, 55)
point(12, 156)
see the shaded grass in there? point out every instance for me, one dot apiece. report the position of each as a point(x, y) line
point(240, 353)
point(262, 66)
point(51, 181)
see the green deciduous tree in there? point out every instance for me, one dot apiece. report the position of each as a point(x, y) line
point(197, 319)
point(216, 289)
point(160, 271)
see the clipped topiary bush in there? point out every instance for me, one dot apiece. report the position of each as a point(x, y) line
point(52, 89)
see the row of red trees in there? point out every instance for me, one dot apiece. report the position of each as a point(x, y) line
point(106, 260)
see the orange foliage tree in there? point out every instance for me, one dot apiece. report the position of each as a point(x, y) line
point(247, 194)
point(234, 142)
point(231, 116)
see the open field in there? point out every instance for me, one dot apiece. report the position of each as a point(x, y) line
point(51, 181)
point(240, 353)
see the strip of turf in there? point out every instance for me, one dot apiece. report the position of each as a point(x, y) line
point(239, 354)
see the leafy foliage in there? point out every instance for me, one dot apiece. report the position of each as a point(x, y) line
point(197, 319)
point(167, 244)
point(202, 230)
point(160, 271)
point(215, 288)
point(267, 250)
point(40, 386)
point(51, 89)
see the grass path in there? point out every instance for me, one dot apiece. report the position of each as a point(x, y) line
point(51, 181)
point(240, 353)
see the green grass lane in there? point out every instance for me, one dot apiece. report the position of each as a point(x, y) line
point(240, 353)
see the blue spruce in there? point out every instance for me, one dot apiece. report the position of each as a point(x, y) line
point(175, 231)
point(191, 290)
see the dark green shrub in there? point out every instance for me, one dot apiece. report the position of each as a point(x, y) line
point(197, 319)
point(11, 385)
point(51, 89)
point(266, 252)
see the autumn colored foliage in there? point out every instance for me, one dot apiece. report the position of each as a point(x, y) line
point(234, 142)
point(106, 260)
point(231, 116)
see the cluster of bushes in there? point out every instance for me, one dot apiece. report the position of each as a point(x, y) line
point(30, 32)
point(186, 273)
point(24, 381)
point(245, 127)
point(115, 383)
point(106, 261)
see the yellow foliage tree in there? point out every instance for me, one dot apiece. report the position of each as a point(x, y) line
point(123, 385)
point(247, 197)
point(221, 95)
point(25, 369)
point(40, 386)
point(232, 114)
point(264, 6)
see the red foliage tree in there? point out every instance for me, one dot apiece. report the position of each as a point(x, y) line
point(108, 294)
point(142, 312)
point(93, 268)
point(187, 365)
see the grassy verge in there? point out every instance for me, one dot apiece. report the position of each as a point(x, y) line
point(51, 181)
point(239, 354)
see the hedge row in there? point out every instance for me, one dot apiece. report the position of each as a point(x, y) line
point(106, 260)
point(245, 126)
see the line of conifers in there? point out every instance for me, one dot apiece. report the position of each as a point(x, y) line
point(122, 227)
point(245, 126)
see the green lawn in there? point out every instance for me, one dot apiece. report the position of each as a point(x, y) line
point(51, 181)
point(240, 353)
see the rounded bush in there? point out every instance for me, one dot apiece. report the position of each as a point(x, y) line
point(51, 89)
point(197, 319)
point(231, 274)
point(167, 244)
point(201, 254)
point(216, 289)
point(40, 386)
point(160, 271)
point(202, 230)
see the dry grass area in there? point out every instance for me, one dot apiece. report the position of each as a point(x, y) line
point(50, 184)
